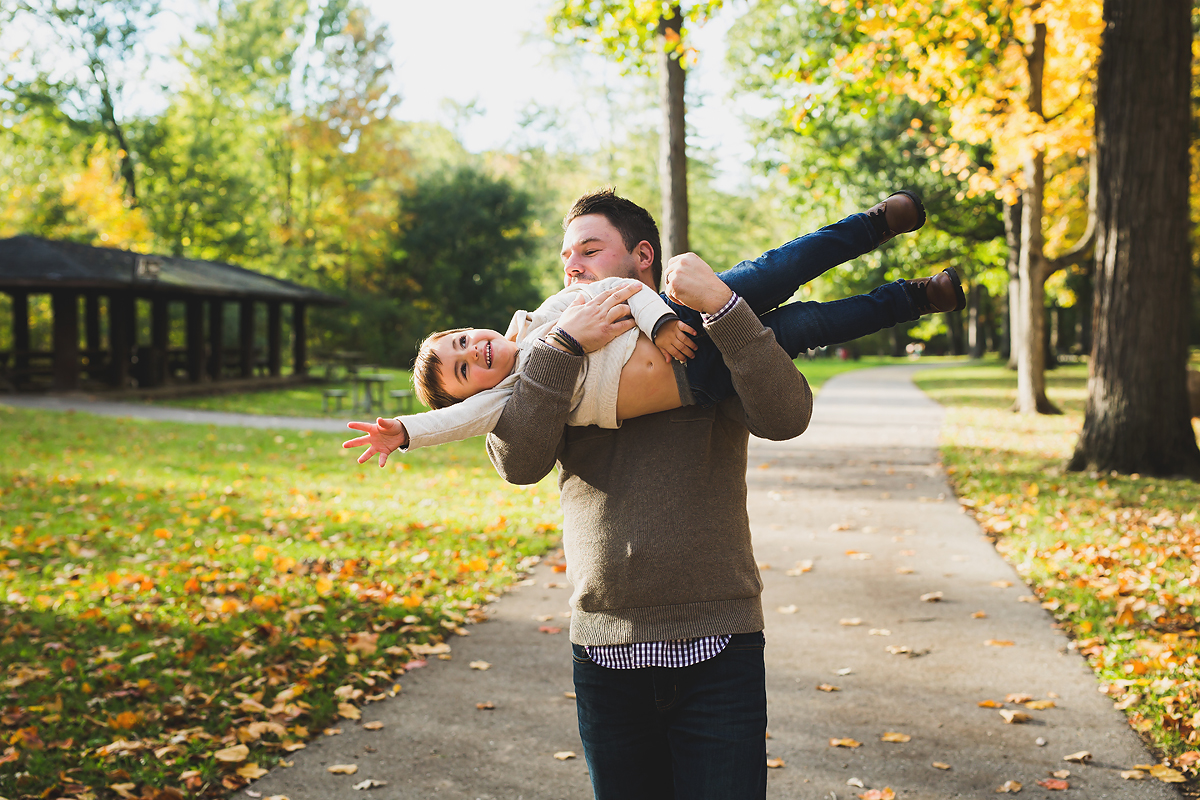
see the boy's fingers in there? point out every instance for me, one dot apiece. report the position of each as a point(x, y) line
point(355, 442)
point(366, 455)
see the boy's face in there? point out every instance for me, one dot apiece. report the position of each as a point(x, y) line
point(473, 361)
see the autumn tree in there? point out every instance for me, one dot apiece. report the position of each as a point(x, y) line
point(1137, 417)
point(644, 35)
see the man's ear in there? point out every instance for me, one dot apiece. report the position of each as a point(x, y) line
point(643, 253)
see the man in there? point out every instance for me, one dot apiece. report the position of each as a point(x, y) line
point(666, 625)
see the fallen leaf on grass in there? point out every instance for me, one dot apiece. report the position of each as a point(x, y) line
point(238, 752)
point(931, 597)
point(485, 706)
point(892, 736)
point(827, 687)
point(844, 743)
point(1054, 784)
point(342, 769)
point(999, 643)
point(1166, 774)
point(990, 704)
point(787, 609)
point(1014, 717)
point(775, 763)
point(940, 765)
point(878, 794)
point(292, 747)
point(369, 783)
point(125, 790)
point(1133, 774)
point(373, 726)
point(481, 665)
point(1009, 787)
point(1039, 705)
point(251, 771)
point(563, 755)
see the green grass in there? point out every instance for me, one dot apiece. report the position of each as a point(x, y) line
point(187, 589)
point(1113, 557)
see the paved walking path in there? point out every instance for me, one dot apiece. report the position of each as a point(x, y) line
point(861, 496)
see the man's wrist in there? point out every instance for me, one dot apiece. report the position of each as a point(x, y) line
point(709, 319)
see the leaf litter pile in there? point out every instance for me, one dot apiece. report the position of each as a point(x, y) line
point(185, 605)
point(1114, 558)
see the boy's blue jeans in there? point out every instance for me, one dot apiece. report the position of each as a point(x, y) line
point(690, 733)
point(772, 278)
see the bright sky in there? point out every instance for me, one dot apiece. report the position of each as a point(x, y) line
point(492, 52)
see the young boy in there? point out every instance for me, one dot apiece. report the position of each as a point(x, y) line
point(467, 375)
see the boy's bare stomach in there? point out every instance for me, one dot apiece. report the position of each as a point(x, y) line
point(647, 382)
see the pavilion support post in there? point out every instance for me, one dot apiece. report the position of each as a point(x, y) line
point(20, 335)
point(246, 337)
point(274, 337)
point(300, 341)
point(91, 333)
point(65, 308)
point(160, 339)
point(195, 339)
point(122, 321)
point(216, 338)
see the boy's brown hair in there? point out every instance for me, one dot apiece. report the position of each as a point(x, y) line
point(633, 222)
point(427, 379)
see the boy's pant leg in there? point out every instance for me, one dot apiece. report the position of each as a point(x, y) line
point(771, 279)
point(693, 732)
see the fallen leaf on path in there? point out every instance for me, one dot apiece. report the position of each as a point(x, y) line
point(480, 665)
point(543, 617)
point(940, 765)
point(931, 597)
point(1061, 773)
point(1166, 774)
point(348, 711)
point(569, 695)
point(800, 568)
point(549, 629)
point(898, 649)
point(827, 687)
point(1133, 774)
point(563, 755)
point(990, 704)
point(979, 615)
point(774, 763)
point(856, 782)
point(292, 747)
point(369, 783)
point(904, 570)
point(1002, 584)
point(238, 752)
point(763, 566)
point(1054, 784)
point(1017, 697)
point(844, 671)
point(373, 726)
point(844, 743)
point(1014, 717)
point(850, 622)
point(857, 556)
point(485, 706)
point(787, 609)
point(342, 769)
point(879, 632)
point(892, 736)
point(1009, 787)
point(251, 771)
point(1040, 705)
point(1027, 598)
point(878, 794)
point(332, 731)
point(840, 526)
point(999, 643)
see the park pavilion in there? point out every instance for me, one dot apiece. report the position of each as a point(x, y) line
point(147, 320)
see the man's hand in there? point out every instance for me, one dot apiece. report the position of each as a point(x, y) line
point(383, 436)
point(692, 282)
point(674, 339)
point(596, 322)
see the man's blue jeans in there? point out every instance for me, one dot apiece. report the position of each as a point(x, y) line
point(772, 278)
point(691, 733)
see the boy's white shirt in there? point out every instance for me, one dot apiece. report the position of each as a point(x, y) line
point(594, 401)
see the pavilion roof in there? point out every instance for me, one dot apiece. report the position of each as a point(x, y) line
point(32, 264)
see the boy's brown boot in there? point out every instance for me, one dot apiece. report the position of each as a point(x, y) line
point(942, 292)
point(901, 212)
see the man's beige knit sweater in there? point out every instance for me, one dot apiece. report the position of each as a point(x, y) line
point(656, 534)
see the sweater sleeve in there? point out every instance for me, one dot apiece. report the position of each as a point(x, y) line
point(775, 397)
point(474, 416)
point(525, 443)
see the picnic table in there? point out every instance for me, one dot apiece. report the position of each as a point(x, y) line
point(372, 390)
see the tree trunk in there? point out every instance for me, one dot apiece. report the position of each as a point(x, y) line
point(672, 152)
point(1137, 417)
point(1033, 269)
point(976, 336)
point(1012, 319)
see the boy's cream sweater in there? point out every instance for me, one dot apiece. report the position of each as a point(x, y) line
point(594, 396)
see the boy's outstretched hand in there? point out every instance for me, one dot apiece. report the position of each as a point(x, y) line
point(383, 436)
point(674, 339)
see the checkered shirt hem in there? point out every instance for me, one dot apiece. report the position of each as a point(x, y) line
point(676, 653)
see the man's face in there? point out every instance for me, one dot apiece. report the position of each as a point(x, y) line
point(474, 360)
point(593, 250)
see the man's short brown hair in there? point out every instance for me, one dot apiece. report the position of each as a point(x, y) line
point(633, 222)
point(427, 378)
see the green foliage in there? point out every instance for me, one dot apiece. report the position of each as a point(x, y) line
point(194, 588)
point(626, 31)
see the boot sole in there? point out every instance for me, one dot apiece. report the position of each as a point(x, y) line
point(960, 298)
point(920, 207)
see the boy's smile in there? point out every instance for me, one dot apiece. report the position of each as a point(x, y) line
point(474, 360)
